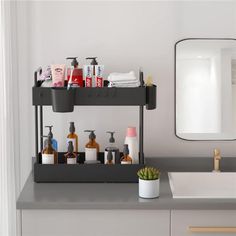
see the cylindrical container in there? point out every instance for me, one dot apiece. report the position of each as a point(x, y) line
point(151, 97)
point(149, 188)
point(132, 141)
point(62, 99)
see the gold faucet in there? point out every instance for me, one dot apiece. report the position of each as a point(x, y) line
point(217, 158)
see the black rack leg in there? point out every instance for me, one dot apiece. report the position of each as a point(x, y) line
point(41, 128)
point(36, 134)
point(141, 154)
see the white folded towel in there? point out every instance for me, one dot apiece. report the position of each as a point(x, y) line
point(122, 77)
point(123, 80)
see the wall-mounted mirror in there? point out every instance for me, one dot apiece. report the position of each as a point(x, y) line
point(205, 79)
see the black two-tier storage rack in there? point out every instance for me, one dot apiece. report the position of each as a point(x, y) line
point(63, 100)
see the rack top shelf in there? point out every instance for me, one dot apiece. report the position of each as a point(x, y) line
point(105, 96)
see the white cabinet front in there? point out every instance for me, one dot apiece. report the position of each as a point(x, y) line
point(95, 223)
point(203, 223)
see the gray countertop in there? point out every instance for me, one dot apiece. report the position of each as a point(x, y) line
point(121, 196)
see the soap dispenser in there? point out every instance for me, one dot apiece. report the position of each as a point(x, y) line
point(72, 136)
point(89, 72)
point(92, 147)
point(49, 154)
point(74, 73)
point(109, 158)
point(111, 146)
point(93, 62)
point(126, 159)
point(70, 156)
point(54, 141)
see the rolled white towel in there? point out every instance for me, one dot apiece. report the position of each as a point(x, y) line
point(122, 77)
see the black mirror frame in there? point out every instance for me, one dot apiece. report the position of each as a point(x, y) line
point(179, 41)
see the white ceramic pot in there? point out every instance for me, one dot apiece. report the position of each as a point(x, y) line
point(149, 188)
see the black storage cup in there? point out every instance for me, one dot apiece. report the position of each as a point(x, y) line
point(151, 97)
point(63, 99)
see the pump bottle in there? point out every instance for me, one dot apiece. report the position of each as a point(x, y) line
point(70, 156)
point(126, 159)
point(49, 155)
point(72, 136)
point(54, 141)
point(111, 146)
point(74, 73)
point(92, 147)
point(109, 158)
point(90, 72)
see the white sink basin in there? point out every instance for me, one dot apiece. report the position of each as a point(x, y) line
point(203, 184)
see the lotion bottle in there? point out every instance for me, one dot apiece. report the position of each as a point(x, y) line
point(126, 159)
point(92, 147)
point(70, 156)
point(75, 73)
point(111, 146)
point(54, 141)
point(109, 160)
point(73, 137)
point(49, 155)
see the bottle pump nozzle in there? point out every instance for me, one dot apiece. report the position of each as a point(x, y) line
point(49, 138)
point(94, 61)
point(111, 139)
point(109, 155)
point(92, 134)
point(74, 62)
point(70, 146)
point(72, 127)
point(50, 130)
point(126, 149)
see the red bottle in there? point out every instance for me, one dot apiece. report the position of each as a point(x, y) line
point(77, 75)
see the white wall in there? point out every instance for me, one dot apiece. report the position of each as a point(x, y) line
point(124, 35)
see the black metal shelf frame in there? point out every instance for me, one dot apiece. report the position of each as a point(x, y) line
point(140, 96)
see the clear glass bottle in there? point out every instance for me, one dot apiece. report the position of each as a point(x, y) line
point(73, 137)
point(126, 159)
point(49, 154)
point(70, 156)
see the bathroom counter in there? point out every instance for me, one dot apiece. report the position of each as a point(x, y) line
point(122, 195)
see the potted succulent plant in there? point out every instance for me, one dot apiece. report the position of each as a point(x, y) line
point(149, 182)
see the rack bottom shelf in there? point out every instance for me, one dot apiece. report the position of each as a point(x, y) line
point(87, 173)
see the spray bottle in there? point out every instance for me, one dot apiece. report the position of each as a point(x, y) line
point(112, 147)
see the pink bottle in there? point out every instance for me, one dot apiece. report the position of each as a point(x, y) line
point(132, 141)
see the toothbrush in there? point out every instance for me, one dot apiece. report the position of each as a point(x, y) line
point(70, 80)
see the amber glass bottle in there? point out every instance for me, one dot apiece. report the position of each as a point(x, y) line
point(49, 155)
point(92, 147)
point(72, 136)
point(109, 158)
point(70, 156)
point(126, 159)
